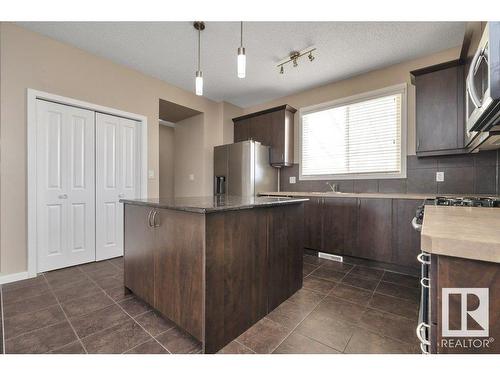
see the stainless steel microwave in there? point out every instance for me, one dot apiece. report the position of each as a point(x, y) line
point(483, 91)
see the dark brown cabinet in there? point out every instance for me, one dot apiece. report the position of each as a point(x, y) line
point(313, 218)
point(374, 229)
point(242, 130)
point(440, 115)
point(285, 253)
point(141, 240)
point(272, 127)
point(454, 272)
point(406, 240)
point(330, 224)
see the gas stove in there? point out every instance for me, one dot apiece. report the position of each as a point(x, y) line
point(466, 201)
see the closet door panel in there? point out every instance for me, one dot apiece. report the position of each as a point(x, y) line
point(65, 186)
point(117, 176)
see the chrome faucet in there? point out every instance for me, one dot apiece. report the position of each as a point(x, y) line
point(334, 187)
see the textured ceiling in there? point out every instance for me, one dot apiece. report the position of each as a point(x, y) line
point(167, 50)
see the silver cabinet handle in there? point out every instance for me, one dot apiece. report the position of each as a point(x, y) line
point(121, 195)
point(415, 225)
point(425, 282)
point(149, 218)
point(63, 196)
point(419, 333)
point(155, 215)
point(423, 348)
point(422, 258)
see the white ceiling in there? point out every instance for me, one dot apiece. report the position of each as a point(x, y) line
point(167, 50)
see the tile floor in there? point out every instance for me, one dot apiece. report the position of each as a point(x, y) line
point(341, 308)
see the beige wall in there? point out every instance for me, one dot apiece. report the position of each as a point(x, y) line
point(166, 163)
point(188, 141)
point(30, 60)
point(374, 80)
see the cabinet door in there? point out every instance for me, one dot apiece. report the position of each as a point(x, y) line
point(285, 250)
point(439, 107)
point(277, 137)
point(313, 214)
point(375, 229)
point(179, 268)
point(406, 240)
point(260, 128)
point(140, 245)
point(241, 130)
point(333, 226)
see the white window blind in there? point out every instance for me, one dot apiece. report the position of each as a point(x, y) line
point(362, 137)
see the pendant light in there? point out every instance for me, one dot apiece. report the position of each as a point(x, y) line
point(199, 75)
point(242, 59)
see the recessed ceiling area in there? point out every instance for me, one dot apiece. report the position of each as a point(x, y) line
point(173, 112)
point(168, 51)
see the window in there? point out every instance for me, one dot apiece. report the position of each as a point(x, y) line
point(355, 138)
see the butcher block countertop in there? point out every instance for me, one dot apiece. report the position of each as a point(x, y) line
point(464, 232)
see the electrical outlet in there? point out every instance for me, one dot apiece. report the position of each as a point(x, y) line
point(191, 177)
point(293, 179)
point(151, 174)
point(439, 176)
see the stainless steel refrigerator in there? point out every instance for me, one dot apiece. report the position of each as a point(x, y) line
point(243, 169)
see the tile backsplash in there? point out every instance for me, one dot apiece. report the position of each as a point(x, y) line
point(463, 174)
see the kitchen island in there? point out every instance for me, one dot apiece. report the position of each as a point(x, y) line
point(214, 265)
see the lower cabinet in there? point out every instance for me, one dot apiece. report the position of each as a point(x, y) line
point(141, 242)
point(372, 228)
point(313, 223)
point(406, 240)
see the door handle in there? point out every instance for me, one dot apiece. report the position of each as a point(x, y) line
point(63, 196)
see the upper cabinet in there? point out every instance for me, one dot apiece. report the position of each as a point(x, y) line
point(440, 115)
point(272, 127)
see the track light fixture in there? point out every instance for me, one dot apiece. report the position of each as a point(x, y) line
point(294, 58)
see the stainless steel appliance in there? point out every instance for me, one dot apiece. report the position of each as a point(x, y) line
point(483, 92)
point(243, 169)
point(424, 326)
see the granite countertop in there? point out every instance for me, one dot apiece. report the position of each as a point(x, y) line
point(464, 232)
point(204, 205)
point(332, 194)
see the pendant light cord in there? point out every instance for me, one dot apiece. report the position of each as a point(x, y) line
point(199, 48)
point(241, 34)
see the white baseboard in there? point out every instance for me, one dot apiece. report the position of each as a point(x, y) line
point(4, 279)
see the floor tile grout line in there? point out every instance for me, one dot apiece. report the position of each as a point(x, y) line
point(2, 318)
point(66, 316)
point(294, 328)
point(236, 340)
point(105, 292)
point(356, 325)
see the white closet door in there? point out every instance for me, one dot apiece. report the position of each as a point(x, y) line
point(117, 177)
point(65, 186)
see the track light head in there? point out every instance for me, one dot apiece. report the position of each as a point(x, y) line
point(311, 57)
point(281, 69)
